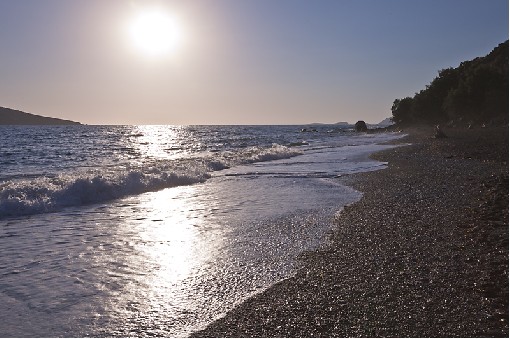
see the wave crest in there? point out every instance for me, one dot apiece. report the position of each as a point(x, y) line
point(43, 194)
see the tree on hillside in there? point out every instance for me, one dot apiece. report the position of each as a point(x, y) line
point(482, 96)
point(402, 110)
point(428, 103)
point(475, 91)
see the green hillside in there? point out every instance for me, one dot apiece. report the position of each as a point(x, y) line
point(476, 92)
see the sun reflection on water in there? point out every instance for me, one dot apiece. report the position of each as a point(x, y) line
point(171, 229)
point(160, 142)
point(172, 251)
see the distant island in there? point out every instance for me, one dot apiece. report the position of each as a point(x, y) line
point(325, 123)
point(386, 122)
point(10, 116)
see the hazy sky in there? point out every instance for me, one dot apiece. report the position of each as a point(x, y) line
point(237, 61)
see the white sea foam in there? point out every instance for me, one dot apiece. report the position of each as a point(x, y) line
point(89, 164)
point(48, 194)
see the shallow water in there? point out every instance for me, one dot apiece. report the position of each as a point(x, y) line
point(167, 262)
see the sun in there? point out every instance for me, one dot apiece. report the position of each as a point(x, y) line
point(155, 32)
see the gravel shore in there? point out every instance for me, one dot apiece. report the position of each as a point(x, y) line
point(424, 253)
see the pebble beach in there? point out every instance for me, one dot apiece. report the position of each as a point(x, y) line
point(424, 253)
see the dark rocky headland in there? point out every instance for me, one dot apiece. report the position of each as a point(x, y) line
point(10, 116)
point(424, 253)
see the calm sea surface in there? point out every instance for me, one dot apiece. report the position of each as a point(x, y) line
point(159, 230)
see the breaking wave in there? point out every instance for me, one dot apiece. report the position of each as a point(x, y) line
point(22, 196)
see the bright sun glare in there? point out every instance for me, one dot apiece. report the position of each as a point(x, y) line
point(155, 32)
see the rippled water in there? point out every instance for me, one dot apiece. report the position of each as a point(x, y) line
point(158, 230)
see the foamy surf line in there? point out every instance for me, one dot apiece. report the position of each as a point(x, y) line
point(21, 196)
point(44, 194)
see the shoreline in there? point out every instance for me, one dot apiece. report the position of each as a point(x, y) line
point(424, 253)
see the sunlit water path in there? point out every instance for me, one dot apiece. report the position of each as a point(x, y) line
point(166, 262)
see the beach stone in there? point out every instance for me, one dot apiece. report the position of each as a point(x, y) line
point(439, 133)
point(360, 126)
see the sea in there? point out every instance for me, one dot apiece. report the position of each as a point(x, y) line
point(134, 231)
